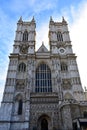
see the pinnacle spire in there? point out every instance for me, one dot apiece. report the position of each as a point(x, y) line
point(33, 20)
point(42, 42)
point(51, 19)
point(20, 20)
point(63, 20)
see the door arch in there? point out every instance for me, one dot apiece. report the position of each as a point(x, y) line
point(44, 124)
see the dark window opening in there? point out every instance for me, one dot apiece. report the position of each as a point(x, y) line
point(44, 124)
point(59, 36)
point(85, 114)
point(25, 36)
point(64, 67)
point(22, 67)
point(20, 104)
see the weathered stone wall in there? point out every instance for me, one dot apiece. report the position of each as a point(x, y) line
point(66, 118)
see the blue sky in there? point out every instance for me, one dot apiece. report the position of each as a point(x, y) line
point(74, 11)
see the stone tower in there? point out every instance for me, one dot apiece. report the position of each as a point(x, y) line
point(43, 90)
point(65, 60)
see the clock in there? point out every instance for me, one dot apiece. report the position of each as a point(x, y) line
point(61, 50)
point(23, 48)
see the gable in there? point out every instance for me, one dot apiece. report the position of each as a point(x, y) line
point(42, 49)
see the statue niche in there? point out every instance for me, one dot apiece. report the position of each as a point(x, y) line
point(66, 84)
point(20, 84)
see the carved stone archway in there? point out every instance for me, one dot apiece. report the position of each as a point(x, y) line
point(44, 122)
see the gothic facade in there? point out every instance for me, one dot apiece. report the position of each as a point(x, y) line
point(43, 90)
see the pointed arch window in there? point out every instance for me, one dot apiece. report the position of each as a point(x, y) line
point(85, 114)
point(59, 36)
point(25, 36)
point(64, 67)
point(20, 105)
point(22, 67)
point(43, 78)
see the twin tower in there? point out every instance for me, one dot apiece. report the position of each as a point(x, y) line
point(43, 90)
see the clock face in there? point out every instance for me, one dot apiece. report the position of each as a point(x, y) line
point(23, 49)
point(61, 50)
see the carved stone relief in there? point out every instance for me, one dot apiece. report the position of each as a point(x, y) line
point(20, 84)
point(24, 48)
point(66, 84)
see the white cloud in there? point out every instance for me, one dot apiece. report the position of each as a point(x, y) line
point(42, 35)
point(78, 34)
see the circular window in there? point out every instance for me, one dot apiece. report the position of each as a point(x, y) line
point(61, 50)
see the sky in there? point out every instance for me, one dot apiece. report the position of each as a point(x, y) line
point(74, 12)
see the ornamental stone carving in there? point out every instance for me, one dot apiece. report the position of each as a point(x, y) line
point(24, 48)
point(66, 84)
point(20, 84)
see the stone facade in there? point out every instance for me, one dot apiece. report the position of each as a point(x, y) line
point(43, 90)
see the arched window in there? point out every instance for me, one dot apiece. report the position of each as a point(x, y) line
point(25, 36)
point(43, 79)
point(59, 36)
point(20, 104)
point(64, 67)
point(22, 67)
point(85, 114)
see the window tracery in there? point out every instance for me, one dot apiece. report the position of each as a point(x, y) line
point(25, 36)
point(22, 67)
point(64, 67)
point(43, 79)
point(59, 36)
